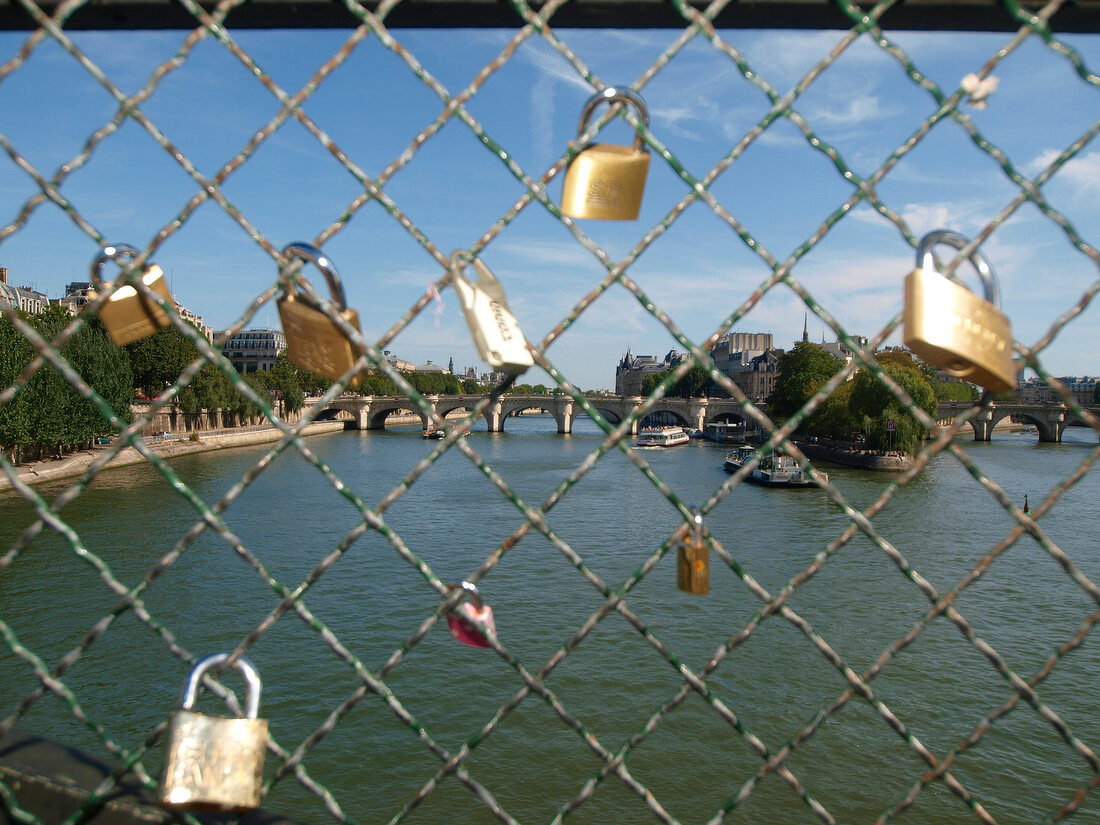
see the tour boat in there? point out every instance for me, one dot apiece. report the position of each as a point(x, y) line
point(774, 470)
point(433, 432)
point(661, 437)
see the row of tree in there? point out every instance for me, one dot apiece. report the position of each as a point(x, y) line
point(50, 416)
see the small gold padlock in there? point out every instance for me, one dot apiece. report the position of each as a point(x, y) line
point(129, 314)
point(951, 327)
point(693, 559)
point(213, 762)
point(606, 181)
point(313, 340)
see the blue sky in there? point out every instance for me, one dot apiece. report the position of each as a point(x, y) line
point(454, 189)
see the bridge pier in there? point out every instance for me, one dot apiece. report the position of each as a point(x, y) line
point(494, 419)
point(563, 414)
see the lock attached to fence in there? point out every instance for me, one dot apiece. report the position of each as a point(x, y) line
point(313, 340)
point(951, 327)
point(494, 328)
point(471, 619)
point(215, 763)
point(693, 559)
point(606, 181)
point(129, 314)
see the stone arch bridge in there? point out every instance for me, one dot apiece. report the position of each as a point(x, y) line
point(370, 412)
point(1050, 420)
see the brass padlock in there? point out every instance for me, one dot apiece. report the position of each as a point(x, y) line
point(693, 559)
point(606, 181)
point(494, 328)
point(951, 327)
point(129, 314)
point(313, 340)
point(213, 762)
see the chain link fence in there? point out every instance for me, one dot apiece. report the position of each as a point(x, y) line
point(437, 766)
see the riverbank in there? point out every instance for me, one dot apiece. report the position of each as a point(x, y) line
point(859, 459)
point(36, 472)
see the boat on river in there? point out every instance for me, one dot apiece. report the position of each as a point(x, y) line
point(433, 433)
point(661, 437)
point(775, 470)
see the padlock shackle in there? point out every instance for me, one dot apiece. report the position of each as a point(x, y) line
point(927, 261)
point(470, 588)
point(110, 253)
point(696, 525)
point(618, 94)
point(308, 252)
point(251, 679)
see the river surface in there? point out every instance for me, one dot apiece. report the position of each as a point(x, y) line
point(695, 759)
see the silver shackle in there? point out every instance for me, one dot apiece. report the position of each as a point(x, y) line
point(614, 94)
point(110, 253)
point(954, 239)
point(308, 252)
point(251, 680)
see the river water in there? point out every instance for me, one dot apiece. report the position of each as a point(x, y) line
point(695, 759)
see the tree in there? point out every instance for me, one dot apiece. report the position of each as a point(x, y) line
point(49, 412)
point(874, 405)
point(693, 385)
point(803, 370)
point(158, 359)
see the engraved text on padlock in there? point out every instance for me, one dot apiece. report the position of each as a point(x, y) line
point(212, 762)
point(606, 181)
point(494, 328)
point(954, 329)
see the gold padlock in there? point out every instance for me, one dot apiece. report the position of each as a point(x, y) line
point(693, 559)
point(313, 340)
point(129, 314)
point(606, 181)
point(951, 327)
point(215, 763)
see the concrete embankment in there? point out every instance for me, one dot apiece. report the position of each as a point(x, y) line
point(74, 464)
point(860, 459)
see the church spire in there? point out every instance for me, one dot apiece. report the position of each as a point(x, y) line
point(805, 329)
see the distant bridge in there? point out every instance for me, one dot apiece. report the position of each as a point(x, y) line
point(1050, 419)
point(370, 412)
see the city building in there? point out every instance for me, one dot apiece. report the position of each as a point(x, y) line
point(24, 298)
point(736, 342)
point(76, 296)
point(397, 363)
point(1037, 391)
point(254, 350)
point(633, 369)
point(755, 372)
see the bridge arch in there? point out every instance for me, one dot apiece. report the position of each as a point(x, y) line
point(376, 420)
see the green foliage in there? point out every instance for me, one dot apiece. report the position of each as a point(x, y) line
point(471, 387)
point(803, 370)
point(158, 360)
point(49, 412)
point(692, 385)
point(875, 405)
point(955, 391)
point(834, 418)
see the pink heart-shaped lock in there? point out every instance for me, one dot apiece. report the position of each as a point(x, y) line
point(471, 621)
